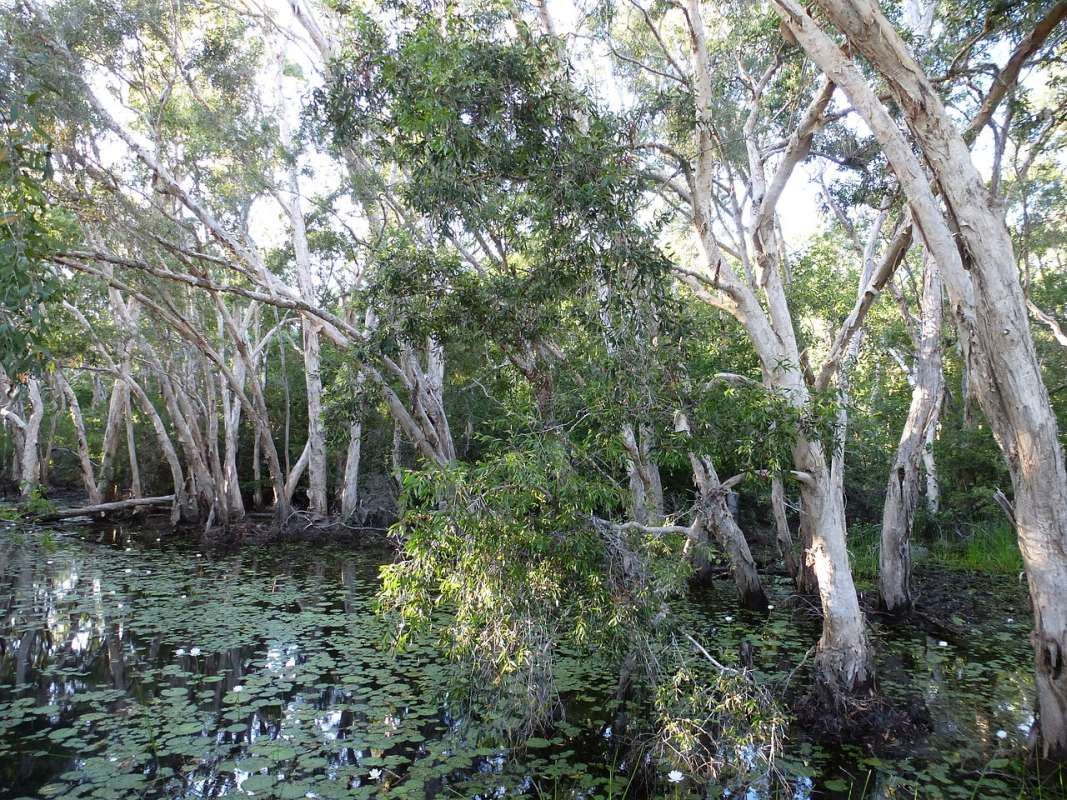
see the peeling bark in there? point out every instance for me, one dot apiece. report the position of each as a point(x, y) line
point(716, 516)
point(902, 492)
point(30, 466)
point(990, 308)
point(843, 663)
point(350, 492)
point(88, 477)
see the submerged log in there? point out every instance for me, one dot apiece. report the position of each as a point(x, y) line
point(104, 508)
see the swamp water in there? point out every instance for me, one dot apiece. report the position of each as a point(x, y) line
point(135, 665)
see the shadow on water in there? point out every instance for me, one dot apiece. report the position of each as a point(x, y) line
point(134, 665)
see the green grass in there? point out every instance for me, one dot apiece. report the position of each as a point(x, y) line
point(863, 545)
point(990, 547)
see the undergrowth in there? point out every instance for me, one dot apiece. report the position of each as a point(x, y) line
point(988, 547)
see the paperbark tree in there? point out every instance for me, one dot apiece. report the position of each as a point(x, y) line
point(316, 434)
point(183, 508)
point(715, 515)
point(84, 461)
point(350, 489)
point(844, 666)
point(902, 492)
point(29, 476)
point(989, 307)
point(27, 427)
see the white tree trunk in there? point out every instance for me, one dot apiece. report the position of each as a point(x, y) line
point(350, 492)
point(317, 469)
point(231, 416)
point(131, 449)
point(843, 663)
point(902, 492)
point(933, 487)
point(297, 472)
point(646, 489)
point(183, 507)
point(112, 435)
point(991, 316)
point(88, 478)
point(30, 467)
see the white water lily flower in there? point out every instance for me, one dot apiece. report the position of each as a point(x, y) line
point(128, 571)
point(942, 643)
point(238, 688)
point(770, 606)
point(180, 651)
point(1002, 734)
point(728, 619)
point(375, 774)
point(194, 651)
point(674, 776)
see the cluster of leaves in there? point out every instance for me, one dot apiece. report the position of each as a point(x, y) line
point(495, 141)
point(715, 721)
point(28, 233)
point(508, 559)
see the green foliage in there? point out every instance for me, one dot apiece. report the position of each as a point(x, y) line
point(496, 142)
point(715, 722)
point(28, 233)
point(512, 552)
point(989, 547)
point(36, 504)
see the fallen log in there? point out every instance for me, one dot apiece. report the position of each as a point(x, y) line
point(104, 508)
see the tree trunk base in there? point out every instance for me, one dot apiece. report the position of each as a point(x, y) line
point(754, 599)
point(899, 612)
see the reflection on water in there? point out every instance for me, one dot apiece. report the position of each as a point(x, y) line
point(134, 667)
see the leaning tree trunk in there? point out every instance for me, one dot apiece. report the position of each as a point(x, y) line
point(112, 434)
point(201, 483)
point(991, 317)
point(131, 449)
point(902, 493)
point(183, 507)
point(720, 521)
point(88, 478)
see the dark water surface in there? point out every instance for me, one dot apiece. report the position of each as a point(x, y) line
point(133, 665)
